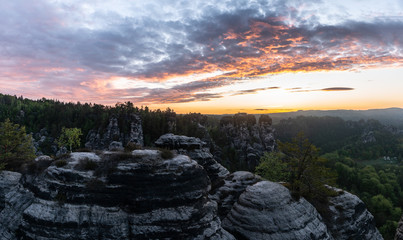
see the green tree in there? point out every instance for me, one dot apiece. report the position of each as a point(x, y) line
point(70, 137)
point(272, 167)
point(16, 146)
point(308, 175)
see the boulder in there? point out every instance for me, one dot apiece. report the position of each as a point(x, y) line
point(266, 210)
point(235, 184)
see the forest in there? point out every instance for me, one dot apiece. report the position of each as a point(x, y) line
point(366, 155)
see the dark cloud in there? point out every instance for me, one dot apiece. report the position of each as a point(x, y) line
point(337, 89)
point(331, 89)
point(247, 38)
point(251, 91)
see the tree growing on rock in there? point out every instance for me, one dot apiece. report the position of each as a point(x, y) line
point(70, 137)
point(16, 146)
point(300, 167)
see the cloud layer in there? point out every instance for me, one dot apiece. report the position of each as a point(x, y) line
point(75, 50)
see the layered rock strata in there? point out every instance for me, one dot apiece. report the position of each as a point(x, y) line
point(349, 218)
point(235, 184)
point(266, 210)
point(114, 196)
point(197, 150)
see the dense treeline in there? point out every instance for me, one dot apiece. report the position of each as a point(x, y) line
point(54, 115)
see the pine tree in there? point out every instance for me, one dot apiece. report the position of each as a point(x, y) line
point(16, 146)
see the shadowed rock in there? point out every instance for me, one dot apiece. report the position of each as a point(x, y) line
point(112, 196)
point(349, 218)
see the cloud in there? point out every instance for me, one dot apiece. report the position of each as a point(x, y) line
point(252, 91)
point(75, 48)
point(331, 89)
point(337, 89)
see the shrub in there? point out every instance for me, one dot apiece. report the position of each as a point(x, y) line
point(61, 163)
point(132, 146)
point(166, 153)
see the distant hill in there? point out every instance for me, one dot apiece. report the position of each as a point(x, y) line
point(388, 116)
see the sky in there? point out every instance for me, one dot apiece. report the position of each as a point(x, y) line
point(208, 56)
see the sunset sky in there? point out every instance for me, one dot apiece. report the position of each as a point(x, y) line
point(208, 56)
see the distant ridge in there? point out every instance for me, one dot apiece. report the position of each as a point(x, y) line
point(387, 116)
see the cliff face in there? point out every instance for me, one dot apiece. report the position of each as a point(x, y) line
point(349, 218)
point(159, 194)
point(136, 196)
point(249, 138)
point(113, 138)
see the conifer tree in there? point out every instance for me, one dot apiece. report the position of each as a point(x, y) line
point(16, 146)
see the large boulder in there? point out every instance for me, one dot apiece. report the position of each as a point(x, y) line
point(266, 210)
point(137, 195)
point(348, 218)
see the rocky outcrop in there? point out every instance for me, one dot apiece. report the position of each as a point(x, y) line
point(235, 184)
point(266, 210)
point(112, 135)
point(349, 218)
point(44, 144)
point(196, 150)
point(248, 138)
point(14, 199)
point(112, 196)
point(399, 231)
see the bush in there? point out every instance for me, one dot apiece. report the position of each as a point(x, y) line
point(86, 164)
point(166, 153)
point(131, 146)
point(61, 163)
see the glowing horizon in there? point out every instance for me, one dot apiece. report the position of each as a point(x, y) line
point(206, 56)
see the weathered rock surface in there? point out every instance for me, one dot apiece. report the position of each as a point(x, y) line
point(235, 184)
point(102, 140)
point(248, 138)
point(14, 199)
point(349, 218)
point(196, 150)
point(113, 196)
point(399, 230)
point(266, 210)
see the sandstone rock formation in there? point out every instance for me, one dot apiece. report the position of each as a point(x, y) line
point(349, 218)
point(399, 231)
point(266, 210)
point(249, 138)
point(102, 140)
point(235, 184)
point(112, 196)
point(196, 149)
